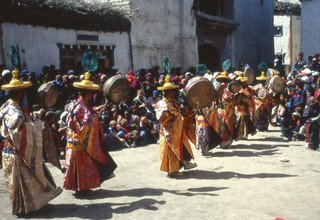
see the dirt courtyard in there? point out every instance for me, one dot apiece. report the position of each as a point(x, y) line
point(261, 178)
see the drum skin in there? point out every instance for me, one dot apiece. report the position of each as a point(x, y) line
point(220, 90)
point(277, 84)
point(117, 88)
point(249, 72)
point(234, 87)
point(48, 94)
point(199, 92)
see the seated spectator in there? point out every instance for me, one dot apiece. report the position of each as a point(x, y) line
point(284, 116)
point(131, 137)
point(148, 131)
point(134, 128)
point(141, 102)
point(114, 142)
point(299, 132)
point(152, 101)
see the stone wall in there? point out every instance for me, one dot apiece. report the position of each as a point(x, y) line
point(310, 27)
point(38, 45)
point(253, 39)
point(163, 28)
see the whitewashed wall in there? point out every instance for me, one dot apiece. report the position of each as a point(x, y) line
point(282, 43)
point(289, 42)
point(40, 44)
point(163, 28)
point(310, 27)
point(253, 39)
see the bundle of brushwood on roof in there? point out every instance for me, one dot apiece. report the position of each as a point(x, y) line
point(287, 8)
point(69, 14)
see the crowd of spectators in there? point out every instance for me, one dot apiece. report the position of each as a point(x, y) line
point(133, 123)
point(297, 109)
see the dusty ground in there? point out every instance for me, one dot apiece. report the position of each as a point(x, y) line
point(247, 182)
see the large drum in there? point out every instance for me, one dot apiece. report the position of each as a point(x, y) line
point(277, 84)
point(48, 94)
point(199, 92)
point(219, 88)
point(117, 88)
point(249, 73)
point(234, 87)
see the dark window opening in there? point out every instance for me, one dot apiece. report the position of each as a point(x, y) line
point(70, 57)
point(278, 31)
point(221, 8)
point(87, 37)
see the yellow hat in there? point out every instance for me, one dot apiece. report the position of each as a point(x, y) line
point(242, 78)
point(262, 77)
point(168, 85)
point(16, 83)
point(223, 77)
point(86, 83)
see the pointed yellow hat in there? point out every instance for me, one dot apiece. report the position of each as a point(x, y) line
point(15, 82)
point(223, 77)
point(241, 77)
point(263, 77)
point(168, 85)
point(86, 83)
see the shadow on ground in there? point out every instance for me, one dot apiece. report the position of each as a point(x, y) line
point(93, 211)
point(143, 192)
point(106, 210)
point(258, 146)
point(203, 174)
point(244, 153)
point(270, 139)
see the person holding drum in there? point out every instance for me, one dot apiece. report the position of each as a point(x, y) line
point(88, 163)
point(263, 103)
point(27, 178)
point(245, 109)
point(227, 111)
point(176, 132)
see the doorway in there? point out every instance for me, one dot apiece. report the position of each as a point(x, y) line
point(210, 56)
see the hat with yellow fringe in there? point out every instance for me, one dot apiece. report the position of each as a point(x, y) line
point(224, 75)
point(263, 77)
point(168, 85)
point(15, 82)
point(263, 68)
point(86, 83)
point(241, 77)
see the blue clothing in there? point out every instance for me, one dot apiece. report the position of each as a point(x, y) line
point(298, 99)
